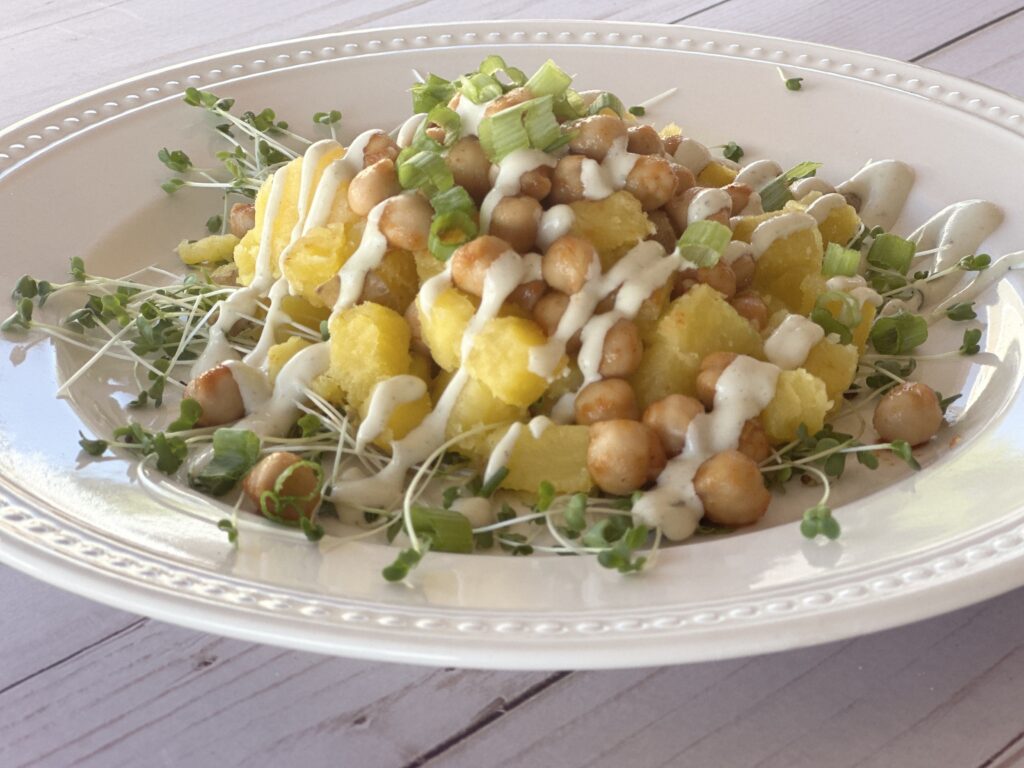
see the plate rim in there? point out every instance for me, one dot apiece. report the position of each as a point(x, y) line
point(991, 573)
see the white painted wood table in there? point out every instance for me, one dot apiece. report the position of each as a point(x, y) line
point(84, 684)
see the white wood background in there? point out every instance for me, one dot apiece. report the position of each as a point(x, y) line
point(82, 684)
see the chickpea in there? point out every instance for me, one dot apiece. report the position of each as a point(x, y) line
point(672, 143)
point(744, 268)
point(377, 290)
point(684, 178)
point(622, 350)
point(379, 147)
point(908, 412)
point(470, 167)
point(528, 294)
point(595, 135)
point(606, 400)
point(218, 395)
point(372, 185)
point(664, 234)
point(472, 260)
point(536, 183)
point(406, 221)
point(684, 280)
point(623, 455)
point(644, 140)
point(225, 274)
point(242, 218)
point(670, 418)
point(302, 482)
point(740, 195)
point(516, 220)
point(750, 305)
point(651, 181)
point(566, 181)
point(412, 317)
point(547, 313)
point(729, 485)
point(711, 368)
point(720, 277)
point(510, 99)
point(569, 262)
point(678, 208)
point(754, 441)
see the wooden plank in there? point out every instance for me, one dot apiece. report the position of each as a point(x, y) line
point(43, 625)
point(941, 692)
point(992, 56)
point(212, 701)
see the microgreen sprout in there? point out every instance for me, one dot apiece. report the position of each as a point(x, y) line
point(970, 344)
point(791, 83)
point(732, 151)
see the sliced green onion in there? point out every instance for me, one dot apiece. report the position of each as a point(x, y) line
point(448, 119)
point(423, 170)
point(449, 531)
point(776, 194)
point(849, 307)
point(530, 124)
point(840, 261)
point(638, 111)
point(898, 334)
point(703, 242)
point(541, 125)
point(479, 88)
point(448, 231)
point(454, 199)
point(549, 80)
point(492, 65)
point(891, 252)
point(570, 105)
point(606, 100)
point(427, 95)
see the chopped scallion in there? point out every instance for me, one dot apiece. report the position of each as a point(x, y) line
point(703, 242)
point(898, 334)
point(840, 261)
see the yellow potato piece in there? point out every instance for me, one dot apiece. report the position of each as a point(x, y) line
point(445, 325)
point(558, 456)
point(835, 364)
point(716, 174)
point(800, 398)
point(279, 354)
point(500, 358)
point(783, 266)
point(315, 258)
point(403, 420)
point(369, 343)
point(210, 250)
point(613, 225)
point(476, 406)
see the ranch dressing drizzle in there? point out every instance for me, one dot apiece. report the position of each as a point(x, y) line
point(753, 206)
point(276, 416)
point(996, 271)
point(600, 180)
point(744, 390)
point(244, 300)
point(791, 342)
point(408, 130)
point(820, 209)
point(387, 396)
point(693, 155)
point(506, 183)
point(956, 231)
point(857, 287)
point(778, 228)
point(707, 203)
point(367, 256)
point(596, 184)
point(759, 174)
point(555, 222)
point(882, 187)
point(803, 187)
point(734, 250)
point(503, 276)
point(502, 453)
point(470, 115)
point(433, 288)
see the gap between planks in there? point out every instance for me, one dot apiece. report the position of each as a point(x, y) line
point(964, 35)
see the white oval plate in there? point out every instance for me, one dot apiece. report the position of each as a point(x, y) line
point(81, 179)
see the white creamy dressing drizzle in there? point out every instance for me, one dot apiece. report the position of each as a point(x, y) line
point(759, 174)
point(791, 342)
point(883, 187)
point(408, 130)
point(956, 231)
point(600, 180)
point(753, 206)
point(555, 222)
point(820, 209)
point(387, 396)
point(503, 276)
point(744, 389)
point(470, 115)
point(857, 287)
point(734, 250)
point(253, 385)
point(434, 287)
point(502, 452)
point(778, 228)
point(803, 187)
point(708, 202)
point(277, 414)
point(693, 155)
point(507, 181)
point(996, 271)
point(371, 250)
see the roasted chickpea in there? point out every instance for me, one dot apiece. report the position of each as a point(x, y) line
point(670, 418)
point(566, 181)
point(302, 482)
point(622, 350)
point(242, 218)
point(744, 268)
point(606, 400)
point(671, 143)
point(729, 485)
point(528, 294)
point(412, 317)
point(623, 455)
point(664, 234)
point(547, 313)
point(684, 280)
point(678, 208)
point(720, 277)
point(908, 412)
point(379, 147)
point(651, 181)
point(218, 395)
point(406, 221)
point(536, 183)
point(515, 220)
point(740, 196)
point(510, 99)
point(595, 135)
point(684, 178)
point(470, 167)
point(372, 185)
point(569, 262)
point(472, 260)
point(225, 274)
point(754, 441)
point(750, 305)
point(644, 140)
point(711, 368)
